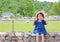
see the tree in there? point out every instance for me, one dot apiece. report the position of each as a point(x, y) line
point(23, 7)
point(29, 8)
point(42, 5)
point(56, 8)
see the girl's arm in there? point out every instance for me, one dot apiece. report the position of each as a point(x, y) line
point(46, 21)
point(45, 17)
point(34, 21)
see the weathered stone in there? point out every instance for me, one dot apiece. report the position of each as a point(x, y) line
point(30, 37)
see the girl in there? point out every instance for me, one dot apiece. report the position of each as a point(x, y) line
point(39, 23)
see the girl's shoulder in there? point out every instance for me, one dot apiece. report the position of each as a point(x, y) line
point(35, 20)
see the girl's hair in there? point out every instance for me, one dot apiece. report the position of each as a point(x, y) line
point(38, 14)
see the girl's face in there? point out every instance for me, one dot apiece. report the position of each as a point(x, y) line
point(40, 17)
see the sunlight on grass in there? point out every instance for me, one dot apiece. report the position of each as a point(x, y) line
point(5, 26)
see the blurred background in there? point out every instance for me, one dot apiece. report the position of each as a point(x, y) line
point(18, 15)
point(16, 19)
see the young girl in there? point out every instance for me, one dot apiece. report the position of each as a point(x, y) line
point(39, 29)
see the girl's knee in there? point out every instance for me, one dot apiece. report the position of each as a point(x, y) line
point(37, 34)
point(42, 34)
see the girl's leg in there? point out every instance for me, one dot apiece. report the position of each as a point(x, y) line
point(37, 37)
point(40, 38)
point(42, 35)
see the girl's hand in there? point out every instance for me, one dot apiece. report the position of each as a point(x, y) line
point(46, 22)
point(45, 15)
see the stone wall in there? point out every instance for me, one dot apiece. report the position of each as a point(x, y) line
point(27, 37)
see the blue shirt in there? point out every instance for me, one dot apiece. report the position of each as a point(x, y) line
point(40, 27)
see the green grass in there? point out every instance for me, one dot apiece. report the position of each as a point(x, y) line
point(6, 26)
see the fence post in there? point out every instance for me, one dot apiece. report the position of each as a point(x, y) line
point(13, 27)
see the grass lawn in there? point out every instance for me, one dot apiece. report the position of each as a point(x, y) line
point(6, 26)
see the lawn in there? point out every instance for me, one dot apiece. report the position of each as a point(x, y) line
point(6, 26)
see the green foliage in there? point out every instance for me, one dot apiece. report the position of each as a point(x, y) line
point(43, 5)
point(24, 7)
point(56, 8)
point(28, 7)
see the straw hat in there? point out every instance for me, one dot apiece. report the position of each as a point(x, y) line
point(43, 12)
